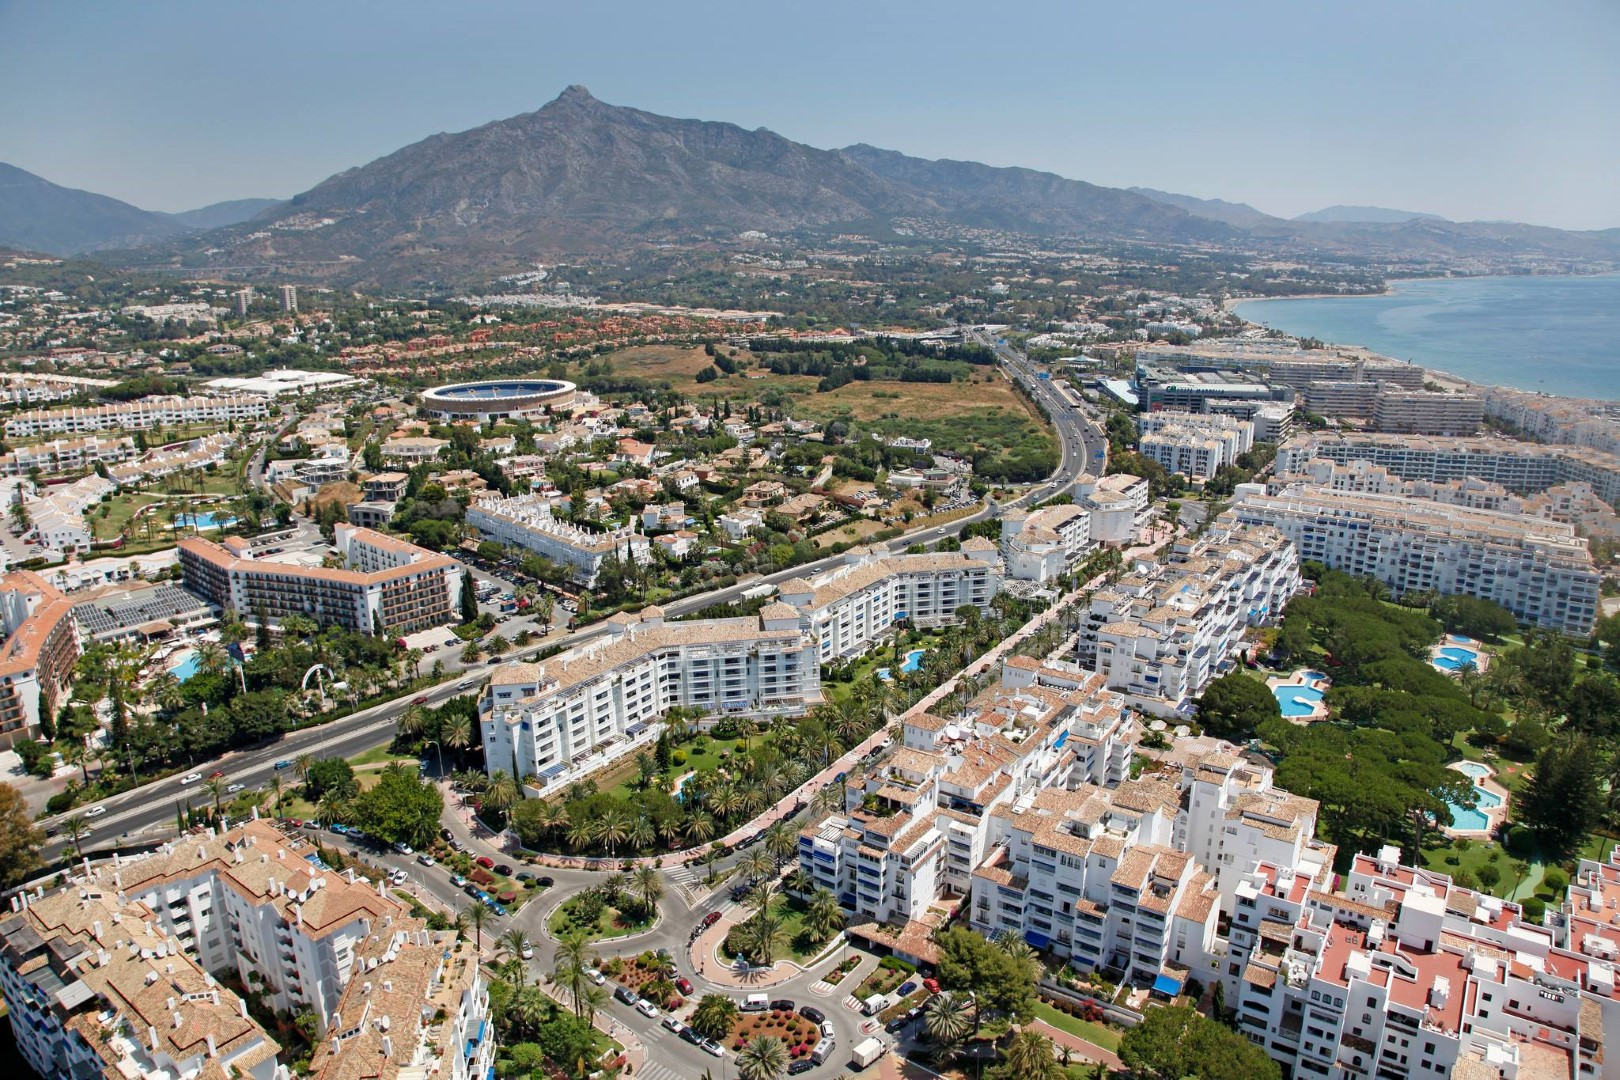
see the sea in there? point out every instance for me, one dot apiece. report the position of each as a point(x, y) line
point(1558, 335)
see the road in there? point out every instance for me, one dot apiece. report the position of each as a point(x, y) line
point(134, 812)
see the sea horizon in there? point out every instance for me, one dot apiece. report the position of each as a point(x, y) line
point(1554, 334)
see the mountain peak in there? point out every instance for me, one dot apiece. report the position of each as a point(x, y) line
point(575, 94)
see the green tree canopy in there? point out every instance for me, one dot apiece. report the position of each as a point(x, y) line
point(1170, 1044)
point(1235, 705)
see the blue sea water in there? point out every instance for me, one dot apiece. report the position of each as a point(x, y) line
point(1560, 335)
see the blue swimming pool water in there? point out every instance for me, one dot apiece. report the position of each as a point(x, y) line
point(1475, 819)
point(205, 520)
point(1455, 658)
point(912, 662)
point(1314, 676)
point(1297, 700)
point(1475, 769)
point(187, 667)
point(1460, 639)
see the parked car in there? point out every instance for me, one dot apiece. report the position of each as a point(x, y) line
point(711, 918)
point(932, 985)
point(446, 834)
point(691, 1036)
point(813, 1014)
point(471, 890)
point(684, 985)
point(672, 1024)
point(485, 861)
point(399, 877)
point(646, 1008)
point(905, 990)
point(457, 880)
point(626, 995)
point(425, 859)
point(544, 882)
point(495, 905)
point(503, 869)
point(800, 1066)
point(595, 976)
point(897, 1024)
point(712, 1047)
point(525, 875)
point(783, 1005)
point(402, 848)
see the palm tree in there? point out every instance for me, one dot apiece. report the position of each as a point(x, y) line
point(554, 818)
point(211, 657)
point(590, 999)
point(75, 829)
point(647, 886)
point(457, 733)
point(412, 721)
point(216, 787)
point(798, 882)
point(515, 943)
point(301, 766)
point(757, 864)
point(948, 1019)
point(76, 753)
point(726, 800)
point(762, 1059)
point(699, 829)
point(780, 841)
point(612, 829)
point(479, 915)
point(275, 787)
point(581, 832)
point(826, 801)
point(713, 1017)
point(501, 793)
point(331, 807)
point(573, 960)
point(823, 917)
point(642, 833)
point(1030, 1055)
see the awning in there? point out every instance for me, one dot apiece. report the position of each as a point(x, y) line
point(1036, 940)
point(1167, 985)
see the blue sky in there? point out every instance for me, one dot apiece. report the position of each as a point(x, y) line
point(1485, 109)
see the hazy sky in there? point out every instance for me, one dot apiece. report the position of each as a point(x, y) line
point(1473, 109)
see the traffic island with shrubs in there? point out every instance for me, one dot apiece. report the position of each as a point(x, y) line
point(798, 1035)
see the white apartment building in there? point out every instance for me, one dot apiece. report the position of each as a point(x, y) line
point(599, 698)
point(248, 901)
point(920, 820)
point(1586, 422)
point(526, 521)
point(846, 609)
point(1161, 632)
point(385, 582)
point(140, 415)
point(93, 988)
point(1117, 502)
point(1041, 545)
point(1341, 400)
point(1536, 568)
point(1236, 436)
point(66, 455)
point(1518, 466)
point(1195, 454)
point(1427, 412)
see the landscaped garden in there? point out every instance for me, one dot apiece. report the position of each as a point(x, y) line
point(649, 975)
point(622, 905)
point(887, 977)
point(797, 1034)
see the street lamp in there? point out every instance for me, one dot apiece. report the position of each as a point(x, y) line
point(440, 749)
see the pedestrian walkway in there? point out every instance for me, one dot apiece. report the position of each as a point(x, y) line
point(690, 882)
point(635, 1054)
point(1078, 1047)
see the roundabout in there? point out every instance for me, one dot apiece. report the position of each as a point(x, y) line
point(497, 399)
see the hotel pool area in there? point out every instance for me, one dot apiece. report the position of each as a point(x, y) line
point(912, 662)
point(1455, 652)
point(1488, 804)
point(205, 520)
point(1299, 696)
point(187, 665)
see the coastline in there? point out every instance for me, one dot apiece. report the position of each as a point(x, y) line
point(1233, 301)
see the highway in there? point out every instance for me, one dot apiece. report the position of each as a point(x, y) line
point(154, 805)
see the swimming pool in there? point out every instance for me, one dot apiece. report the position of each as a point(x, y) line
point(1297, 700)
point(1477, 770)
point(187, 667)
point(1455, 658)
point(1475, 819)
point(205, 520)
point(1314, 676)
point(912, 662)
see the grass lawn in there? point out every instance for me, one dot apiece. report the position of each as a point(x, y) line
point(1105, 1037)
point(882, 980)
point(606, 927)
point(620, 780)
point(379, 755)
point(1477, 856)
point(120, 509)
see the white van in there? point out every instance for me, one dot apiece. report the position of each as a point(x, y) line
point(823, 1050)
point(756, 1003)
point(874, 1004)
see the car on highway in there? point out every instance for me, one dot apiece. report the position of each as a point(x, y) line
point(191, 778)
point(420, 699)
point(647, 1009)
point(95, 811)
point(283, 765)
point(234, 788)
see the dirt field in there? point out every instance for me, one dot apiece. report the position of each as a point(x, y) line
point(849, 534)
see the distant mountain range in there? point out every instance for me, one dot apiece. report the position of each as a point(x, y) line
point(38, 215)
point(1369, 215)
point(580, 176)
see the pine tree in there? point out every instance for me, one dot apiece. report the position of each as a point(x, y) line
point(469, 599)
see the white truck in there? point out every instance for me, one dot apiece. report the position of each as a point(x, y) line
point(866, 1052)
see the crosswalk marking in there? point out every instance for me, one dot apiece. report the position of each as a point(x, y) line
point(689, 882)
point(655, 1071)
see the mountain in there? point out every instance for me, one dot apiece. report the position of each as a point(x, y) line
point(38, 215)
point(579, 176)
point(1239, 215)
point(231, 212)
point(1365, 215)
